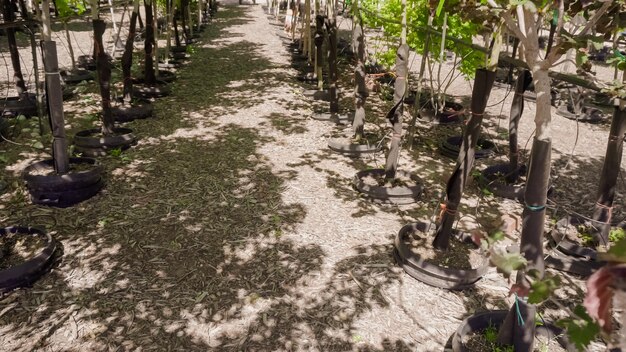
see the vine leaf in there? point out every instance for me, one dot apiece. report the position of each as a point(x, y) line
point(540, 290)
point(506, 263)
point(581, 329)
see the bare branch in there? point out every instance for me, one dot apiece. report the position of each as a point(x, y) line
point(596, 16)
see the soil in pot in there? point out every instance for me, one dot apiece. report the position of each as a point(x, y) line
point(459, 255)
point(486, 341)
point(404, 189)
point(580, 233)
point(14, 106)
point(588, 114)
point(369, 143)
point(16, 249)
point(452, 146)
point(450, 113)
point(49, 170)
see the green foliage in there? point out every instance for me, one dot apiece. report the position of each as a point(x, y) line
point(617, 234)
point(491, 336)
point(581, 329)
point(69, 8)
point(384, 15)
point(115, 152)
point(541, 290)
point(506, 263)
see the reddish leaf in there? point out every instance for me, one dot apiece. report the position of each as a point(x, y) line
point(599, 298)
point(520, 290)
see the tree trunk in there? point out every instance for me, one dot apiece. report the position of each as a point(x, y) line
point(360, 89)
point(609, 174)
point(183, 16)
point(70, 47)
point(517, 108)
point(319, 51)
point(456, 183)
point(18, 77)
point(331, 25)
point(104, 76)
point(535, 197)
point(402, 68)
point(176, 34)
point(55, 106)
point(127, 57)
point(150, 76)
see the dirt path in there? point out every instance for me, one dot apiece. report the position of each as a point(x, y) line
point(230, 227)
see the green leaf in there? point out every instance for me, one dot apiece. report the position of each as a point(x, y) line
point(542, 289)
point(581, 329)
point(37, 145)
point(439, 7)
point(617, 252)
point(506, 263)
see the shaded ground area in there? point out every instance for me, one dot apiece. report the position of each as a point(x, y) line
point(230, 226)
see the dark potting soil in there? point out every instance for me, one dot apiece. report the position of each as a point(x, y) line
point(48, 170)
point(582, 234)
point(485, 341)
point(459, 255)
point(16, 249)
point(401, 180)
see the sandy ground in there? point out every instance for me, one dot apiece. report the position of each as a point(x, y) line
point(323, 282)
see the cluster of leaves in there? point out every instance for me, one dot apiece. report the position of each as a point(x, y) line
point(69, 8)
point(386, 14)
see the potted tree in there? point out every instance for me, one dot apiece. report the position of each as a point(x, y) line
point(61, 181)
point(390, 184)
point(517, 326)
point(99, 141)
point(24, 103)
point(358, 145)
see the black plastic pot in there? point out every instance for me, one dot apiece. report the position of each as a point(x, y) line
point(89, 145)
point(432, 274)
point(63, 190)
point(481, 321)
point(150, 92)
point(393, 195)
point(164, 76)
point(498, 185)
point(76, 76)
point(125, 113)
point(353, 150)
point(453, 113)
point(569, 256)
point(13, 106)
point(588, 114)
point(25, 274)
point(179, 56)
point(178, 49)
point(452, 146)
point(86, 62)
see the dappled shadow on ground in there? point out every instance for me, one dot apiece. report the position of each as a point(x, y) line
point(185, 248)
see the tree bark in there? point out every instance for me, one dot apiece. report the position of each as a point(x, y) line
point(360, 89)
point(319, 52)
point(517, 108)
point(331, 25)
point(176, 34)
point(608, 176)
point(55, 106)
point(402, 68)
point(150, 76)
point(465, 161)
point(18, 77)
point(104, 76)
point(127, 57)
